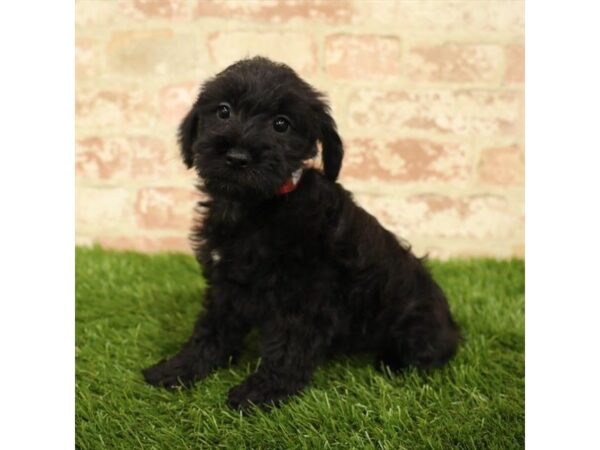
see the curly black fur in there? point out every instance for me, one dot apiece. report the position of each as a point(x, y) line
point(314, 272)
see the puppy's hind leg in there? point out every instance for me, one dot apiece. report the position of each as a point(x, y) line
point(423, 335)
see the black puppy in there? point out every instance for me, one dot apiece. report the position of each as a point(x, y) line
point(286, 250)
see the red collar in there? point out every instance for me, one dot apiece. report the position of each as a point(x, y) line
point(291, 183)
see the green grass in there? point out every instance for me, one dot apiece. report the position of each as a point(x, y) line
point(134, 309)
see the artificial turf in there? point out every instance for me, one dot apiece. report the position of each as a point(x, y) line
point(133, 309)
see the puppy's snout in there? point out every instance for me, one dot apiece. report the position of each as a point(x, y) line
point(237, 158)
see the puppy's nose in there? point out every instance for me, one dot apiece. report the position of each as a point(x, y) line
point(237, 158)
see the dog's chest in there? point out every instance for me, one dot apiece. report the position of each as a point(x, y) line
point(260, 258)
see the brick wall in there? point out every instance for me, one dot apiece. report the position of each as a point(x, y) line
point(428, 96)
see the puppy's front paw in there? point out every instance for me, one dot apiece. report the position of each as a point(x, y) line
point(243, 396)
point(255, 391)
point(170, 374)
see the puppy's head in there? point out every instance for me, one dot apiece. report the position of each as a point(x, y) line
point(253, 125)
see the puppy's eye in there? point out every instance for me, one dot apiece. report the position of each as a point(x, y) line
point(281, 124)
point(223, 111)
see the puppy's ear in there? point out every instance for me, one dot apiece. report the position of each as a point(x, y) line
point(187, 136)
point(332, 147)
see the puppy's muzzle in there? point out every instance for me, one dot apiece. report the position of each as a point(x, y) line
point(237, 158)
